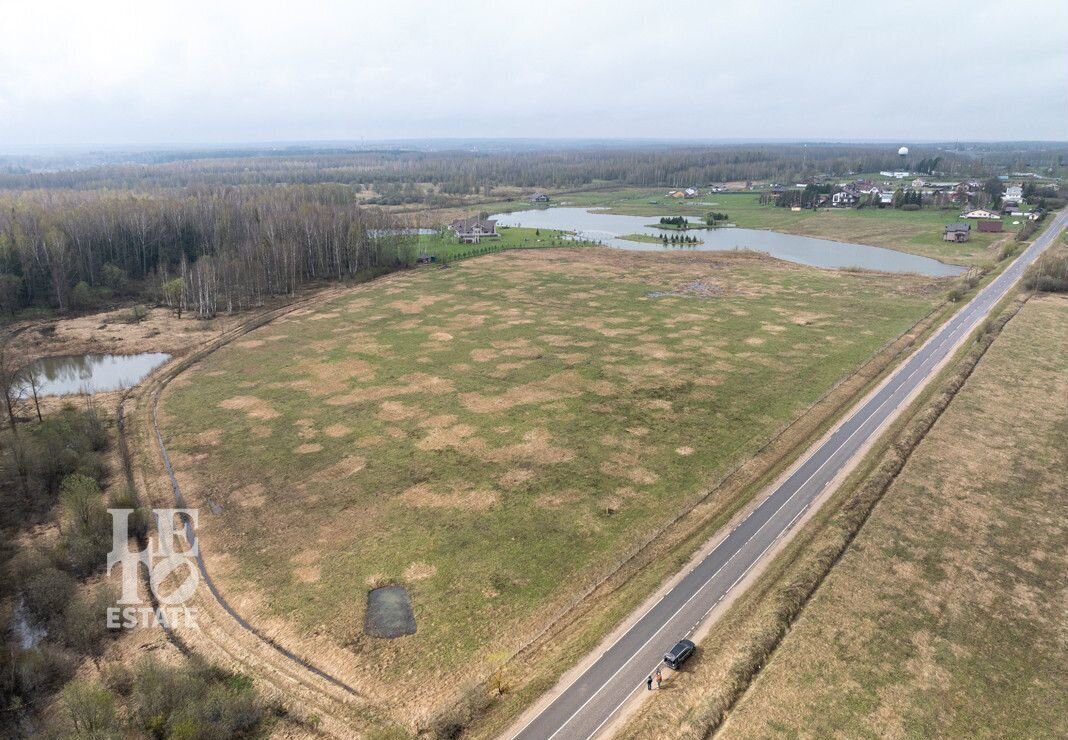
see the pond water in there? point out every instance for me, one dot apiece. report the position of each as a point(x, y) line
point(62, 376)
point(607, 228)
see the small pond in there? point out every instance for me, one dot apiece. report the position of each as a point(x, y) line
point(389, 612)
point(607, 228)
point(62, 376)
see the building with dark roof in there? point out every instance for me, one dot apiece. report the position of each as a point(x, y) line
point(473, 230)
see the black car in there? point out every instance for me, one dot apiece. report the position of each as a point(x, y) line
point(679, 654)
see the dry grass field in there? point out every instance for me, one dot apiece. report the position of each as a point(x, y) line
point(494, 436)
point(946, 617)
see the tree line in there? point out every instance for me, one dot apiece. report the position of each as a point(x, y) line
point(392, 177)
point(203, 250)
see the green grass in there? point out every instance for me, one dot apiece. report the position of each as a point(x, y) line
point(942, 619)
point(496, 435)
point(445, 246)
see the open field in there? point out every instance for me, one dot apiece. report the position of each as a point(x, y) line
point(493, 436)
point(945, 618)
point(917, 232)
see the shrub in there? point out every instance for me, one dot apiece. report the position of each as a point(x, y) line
point(86, 536)
point(1049, 273)
point(65, 443)
point(45, 589)
point(81, 296)
point(113, 277)
point(194, 701)
point(83, 627)
point(136, 315)
point(89, 712)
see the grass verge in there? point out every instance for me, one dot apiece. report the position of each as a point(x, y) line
point(739, 644)
point(941, 619)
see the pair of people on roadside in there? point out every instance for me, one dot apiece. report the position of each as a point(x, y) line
point(649, 680)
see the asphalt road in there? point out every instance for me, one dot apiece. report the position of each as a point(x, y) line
point(587, 704)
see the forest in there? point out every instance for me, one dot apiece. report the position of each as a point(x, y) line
point(203, 250)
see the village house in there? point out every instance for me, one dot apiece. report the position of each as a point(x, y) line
point(539, 198)
point(957, 232)
point(845, 197)
point(980, 213)
point(473, 230)
point(687, 193)
point(1013, 195)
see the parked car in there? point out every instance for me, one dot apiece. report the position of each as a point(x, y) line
point(679, 654)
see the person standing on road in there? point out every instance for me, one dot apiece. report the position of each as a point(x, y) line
point(659, 678)
point(649, 683)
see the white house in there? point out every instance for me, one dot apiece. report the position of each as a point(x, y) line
point(980, 213)
point(1013, 194)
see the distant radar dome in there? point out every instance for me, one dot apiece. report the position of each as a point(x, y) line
point(903, 151)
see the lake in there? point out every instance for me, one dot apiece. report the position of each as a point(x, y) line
point(62, 376)
point(806, 250)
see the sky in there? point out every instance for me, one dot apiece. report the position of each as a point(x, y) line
point(118, 73)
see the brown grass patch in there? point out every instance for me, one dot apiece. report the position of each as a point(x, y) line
point(256, 408)
point(252, 495)
point(516, 477)
point(326, 378)
point(456, 497)
point(397, 411)
point(439, 420)
point(535, 448)
point(336, 431)
point(415, 306)
point(554, 388)
point(344, 468)
point(209, 437)
point(484, 355)
point(419, 572)
point(308, 448)
point(556, 499)
point(456, 436)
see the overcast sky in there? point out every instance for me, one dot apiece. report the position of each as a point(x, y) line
point(225, 71)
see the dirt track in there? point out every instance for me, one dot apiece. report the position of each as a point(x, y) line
point(312, 695)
